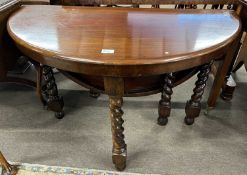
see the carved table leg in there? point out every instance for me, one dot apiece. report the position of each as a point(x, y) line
point(165, 102)
point(193, 106)
point(54, 101)
point(119, 150)
point(39, 89)
point(8, 169)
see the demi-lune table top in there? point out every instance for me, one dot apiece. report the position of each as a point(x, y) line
point(121, 36)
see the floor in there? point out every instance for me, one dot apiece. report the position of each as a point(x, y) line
point(215, 144)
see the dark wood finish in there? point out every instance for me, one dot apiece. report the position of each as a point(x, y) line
point(46, 78)
point(227, 91)
point(186, 4)
point(147, 44)
point(141, 53)
point(119, 150)
point(193, 106)
point(138, 2)
point(39, 89)
point(114, 87)
point(135, 86)
point(9, 53)
point(221, 74)
point(165, 102)
point(54, 101)
point(8, 169)
point(240, 55)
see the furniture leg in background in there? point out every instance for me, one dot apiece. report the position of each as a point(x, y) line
point(230, 84)
point(39, 85)
point(240, 54)
point(226, 66)
point(221, 74)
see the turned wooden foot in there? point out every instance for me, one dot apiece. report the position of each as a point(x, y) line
point(188, 120)
point(119, 150)
point(227, 92)
point(193, 106)
point(119, 161)
point(7, 168)
point(54, 101)
point(165, 102)
point(94, 94)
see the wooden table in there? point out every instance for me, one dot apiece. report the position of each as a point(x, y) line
point(128, 52)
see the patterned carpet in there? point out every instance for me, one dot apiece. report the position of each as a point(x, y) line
point(3, 2)
point(35, 169)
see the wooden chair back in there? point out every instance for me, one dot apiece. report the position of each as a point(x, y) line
point(213, 4)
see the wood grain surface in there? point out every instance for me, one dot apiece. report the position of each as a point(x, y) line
point(73, 38)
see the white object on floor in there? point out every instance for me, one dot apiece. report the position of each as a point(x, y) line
point(231, 82)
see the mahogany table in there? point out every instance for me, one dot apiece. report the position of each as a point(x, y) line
point(128, 52)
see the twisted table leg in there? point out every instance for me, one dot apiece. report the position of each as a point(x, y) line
point(39, 89)
point(54, 101)
point(193, 106)
point(8, 169)
point(119, 150)
point(165, 102)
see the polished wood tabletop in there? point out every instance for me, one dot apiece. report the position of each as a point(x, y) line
point(122, 37)
point(123, 51)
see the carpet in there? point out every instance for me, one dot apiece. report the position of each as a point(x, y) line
point(36, 169)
